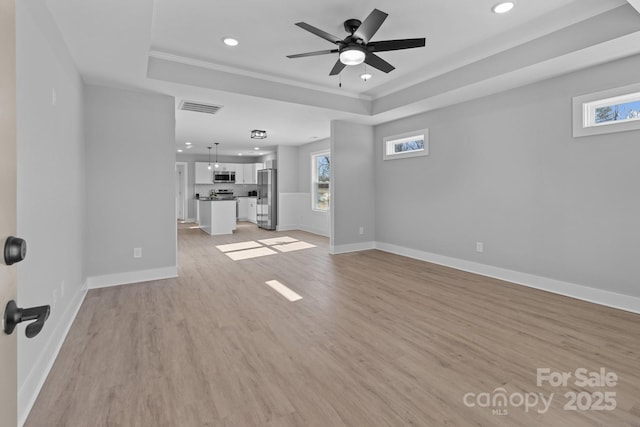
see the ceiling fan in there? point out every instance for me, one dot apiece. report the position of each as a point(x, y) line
point(357, 48)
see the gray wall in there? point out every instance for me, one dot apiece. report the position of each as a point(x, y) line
point(130, 173)
point(352, 180)
point(505, 170)
point(287, 176)
point(51, 190)
point(287, 169)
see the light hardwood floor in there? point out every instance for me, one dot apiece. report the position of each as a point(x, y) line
point(377, 340)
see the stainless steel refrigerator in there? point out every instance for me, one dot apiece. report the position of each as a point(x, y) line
point(267, 209)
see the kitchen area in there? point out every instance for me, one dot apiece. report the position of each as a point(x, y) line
point(233, 192)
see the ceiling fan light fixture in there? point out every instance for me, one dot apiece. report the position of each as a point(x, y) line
point(352, 55)
point(503, 7)
point(365, 76)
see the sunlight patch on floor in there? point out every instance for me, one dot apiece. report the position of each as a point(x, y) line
point(250, 253)
point(238, 246)
point(283, 290)
point(252, 249)
point(278, 240)
point(293, 246)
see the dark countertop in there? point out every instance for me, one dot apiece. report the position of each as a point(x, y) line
point(216, 200)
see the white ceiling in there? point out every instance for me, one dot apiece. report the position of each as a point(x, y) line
point(174, 47)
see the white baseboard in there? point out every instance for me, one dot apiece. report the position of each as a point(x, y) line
point(30, 388)
point(286, 227)
point(585, 293)
point(352, 247)
point(117, 279)
point(313, 230)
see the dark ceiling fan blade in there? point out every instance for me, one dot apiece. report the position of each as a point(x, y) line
point(370, 25)
point(318, 32)
point(337, 68)
point(386, 45)
point(319, 52)
point(376, 62)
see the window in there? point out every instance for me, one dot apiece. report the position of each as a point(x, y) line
point(406, 145)
point(613, 110)
point(321, 181)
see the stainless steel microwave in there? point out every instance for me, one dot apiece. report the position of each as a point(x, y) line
point(224, 176)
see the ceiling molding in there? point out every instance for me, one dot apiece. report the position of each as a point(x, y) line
point(609, 28)
point(241, 72)
point(635, 4)
point(196, 76)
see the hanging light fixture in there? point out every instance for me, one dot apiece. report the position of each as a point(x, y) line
point(209, 167)
point(258, 134)
point(365, 76)
point(217, 165)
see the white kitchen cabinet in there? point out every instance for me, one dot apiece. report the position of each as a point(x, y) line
point(245, 173)
point(240, 175)
point(227, 167)
point(249, 173)
point(204, 175)
point(243, 208)
point(253, 204)
point(217, 216)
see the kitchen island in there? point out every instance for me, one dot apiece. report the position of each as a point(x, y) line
point(217, 216)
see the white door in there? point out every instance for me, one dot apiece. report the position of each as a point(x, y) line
point(8, 352)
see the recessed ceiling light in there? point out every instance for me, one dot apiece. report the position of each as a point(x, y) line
point(365, 76)
point(187, 143)
point(239, 154)
point(179, 151)
point(503, 7)
point(256, 148)
point(230, 41)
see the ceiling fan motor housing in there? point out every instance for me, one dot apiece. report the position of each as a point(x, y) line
point(351, 25)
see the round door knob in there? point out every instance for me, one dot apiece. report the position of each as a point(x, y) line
point(15, 250)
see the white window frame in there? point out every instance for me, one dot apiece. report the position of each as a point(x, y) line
point(389, 142)
point(314, 180)
point(584, 110)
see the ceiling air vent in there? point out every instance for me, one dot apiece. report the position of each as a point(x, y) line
point(199, 107)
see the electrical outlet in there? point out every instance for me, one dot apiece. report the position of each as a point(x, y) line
point(361, 230)
point(137, 252)
point(479, 247)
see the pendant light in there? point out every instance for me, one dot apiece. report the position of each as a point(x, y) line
point(209, 167)
point(217, 165)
